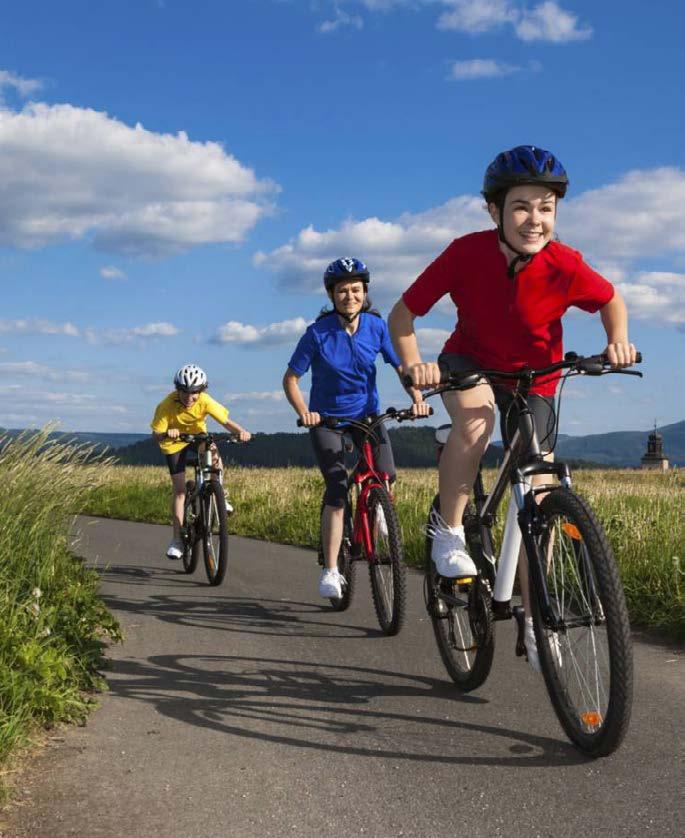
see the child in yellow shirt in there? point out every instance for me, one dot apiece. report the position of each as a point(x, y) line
point(184, 411)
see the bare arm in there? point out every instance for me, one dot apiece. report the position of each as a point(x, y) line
point(291, 387)
point(401, 325)
point(237, 430)
point(619, 350)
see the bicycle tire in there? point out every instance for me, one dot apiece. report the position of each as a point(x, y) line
point(464, 632)
point(588, 665)
point(191, 540)
point(345, 564)
point(215, 532)
point(387, 570)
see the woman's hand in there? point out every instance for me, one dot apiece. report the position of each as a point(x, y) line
point(620, 354)
point(424, 376)
point(309, 420)
point(421, 409)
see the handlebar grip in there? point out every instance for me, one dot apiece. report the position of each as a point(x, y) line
point(406, 381)
point(638, 357)
point(300, 424)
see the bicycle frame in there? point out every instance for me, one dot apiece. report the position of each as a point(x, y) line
point(365, 477)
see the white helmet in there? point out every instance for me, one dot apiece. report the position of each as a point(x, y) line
point(190, 379)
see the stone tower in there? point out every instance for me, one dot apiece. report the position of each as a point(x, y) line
point(654, 458)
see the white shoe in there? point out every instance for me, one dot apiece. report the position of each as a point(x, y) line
point(229, 506)
point(330, 584)
point(175, 549)
point(532, 646)
point(449, 549)
point(381, 523)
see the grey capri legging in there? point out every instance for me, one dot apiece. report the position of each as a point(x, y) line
point(329, 450)
point(542, 407)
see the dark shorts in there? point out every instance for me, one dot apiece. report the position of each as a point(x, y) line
point(329, 449)
point(177, 461)
point(542, 407)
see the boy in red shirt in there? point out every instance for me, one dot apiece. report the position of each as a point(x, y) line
point(511, 286)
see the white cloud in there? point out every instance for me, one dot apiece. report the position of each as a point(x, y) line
point(395, 251)
point(475, 16)
point(24, 87)
point(549, 22)
point(34, 370)
point(272, 335)
point(655, 295)
point(431, 341)
point(341, 19)
point(259, 396)
point(122, 336)
point(38, 327)
point(110, 272)
point(68, 172)
point(481, 68)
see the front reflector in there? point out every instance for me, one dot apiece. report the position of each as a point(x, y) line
point(572, 531)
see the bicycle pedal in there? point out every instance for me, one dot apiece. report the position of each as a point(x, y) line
point(519, 615)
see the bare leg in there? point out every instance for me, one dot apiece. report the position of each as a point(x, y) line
point(332, 521)
point(177, 501)
point(473, 417)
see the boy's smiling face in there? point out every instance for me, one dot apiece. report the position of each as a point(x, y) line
point(187, 399)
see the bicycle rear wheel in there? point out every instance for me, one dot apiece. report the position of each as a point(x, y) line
point(345, 563)
point(386, 570)
point(215, 532)
point(191, 539)
point(461, 615)
point(587, 664)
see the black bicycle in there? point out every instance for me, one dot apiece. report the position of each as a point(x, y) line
point(371, 530)
point(205, 520)
point(578, 605)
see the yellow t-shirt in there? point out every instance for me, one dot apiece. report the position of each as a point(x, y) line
point(170, 413)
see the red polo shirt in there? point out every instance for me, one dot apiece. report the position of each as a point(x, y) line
point(505, 323)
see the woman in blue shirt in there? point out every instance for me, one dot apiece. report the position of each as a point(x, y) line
point(341, 348)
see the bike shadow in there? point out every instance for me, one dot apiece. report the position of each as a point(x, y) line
point(329, 707)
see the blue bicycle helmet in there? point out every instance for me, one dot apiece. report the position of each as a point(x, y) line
point(525, 164)
point(343, 270)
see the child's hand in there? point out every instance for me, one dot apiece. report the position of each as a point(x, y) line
point(243, 435)
point(620, 354)
point(173, 433)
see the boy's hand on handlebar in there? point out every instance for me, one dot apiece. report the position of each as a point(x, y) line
point(243, 436)
point(173, 433)
point(424, 376)
point(620, 354)
point(310, 420)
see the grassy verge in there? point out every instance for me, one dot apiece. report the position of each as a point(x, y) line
point(52, 623)
point(641, 511)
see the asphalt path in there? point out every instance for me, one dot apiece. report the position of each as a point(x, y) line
point(253, 709)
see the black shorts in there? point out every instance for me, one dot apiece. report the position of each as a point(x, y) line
point(329, 449)
point(179, 459)
point(542, 407)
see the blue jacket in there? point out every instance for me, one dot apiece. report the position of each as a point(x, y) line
point(343, 365)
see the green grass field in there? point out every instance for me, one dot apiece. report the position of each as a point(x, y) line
point(641, 511)
point(52, 623)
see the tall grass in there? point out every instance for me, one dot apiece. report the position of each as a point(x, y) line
point(641, 511)
point(52, 623)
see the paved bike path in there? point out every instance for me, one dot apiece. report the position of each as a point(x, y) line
point(254, 710)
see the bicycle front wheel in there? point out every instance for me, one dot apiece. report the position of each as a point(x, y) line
point(191, 541)
point(587, 663)
point(386, 569)
point(461, 615)
point(215, 532)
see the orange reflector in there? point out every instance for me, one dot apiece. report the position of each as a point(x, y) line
point(591, 718)
point(465, 580)
point(572, 531)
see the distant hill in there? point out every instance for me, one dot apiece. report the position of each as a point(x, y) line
point(414, 447)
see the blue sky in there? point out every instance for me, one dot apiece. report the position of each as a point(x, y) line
point(175, 176)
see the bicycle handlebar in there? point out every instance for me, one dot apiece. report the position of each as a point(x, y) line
point(205, 437)
point(581, 365)
point(369, 422)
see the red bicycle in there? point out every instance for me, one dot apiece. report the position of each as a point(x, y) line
point(371, 531)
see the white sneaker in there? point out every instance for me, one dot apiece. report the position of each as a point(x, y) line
point(330, 584)
point(532, 646)
point(449, 549)
point(175, 549)
point(381, 523)
point(229, 506)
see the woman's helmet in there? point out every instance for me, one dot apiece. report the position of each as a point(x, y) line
point(190, 379)
point(343, 270)
point(525, 164)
